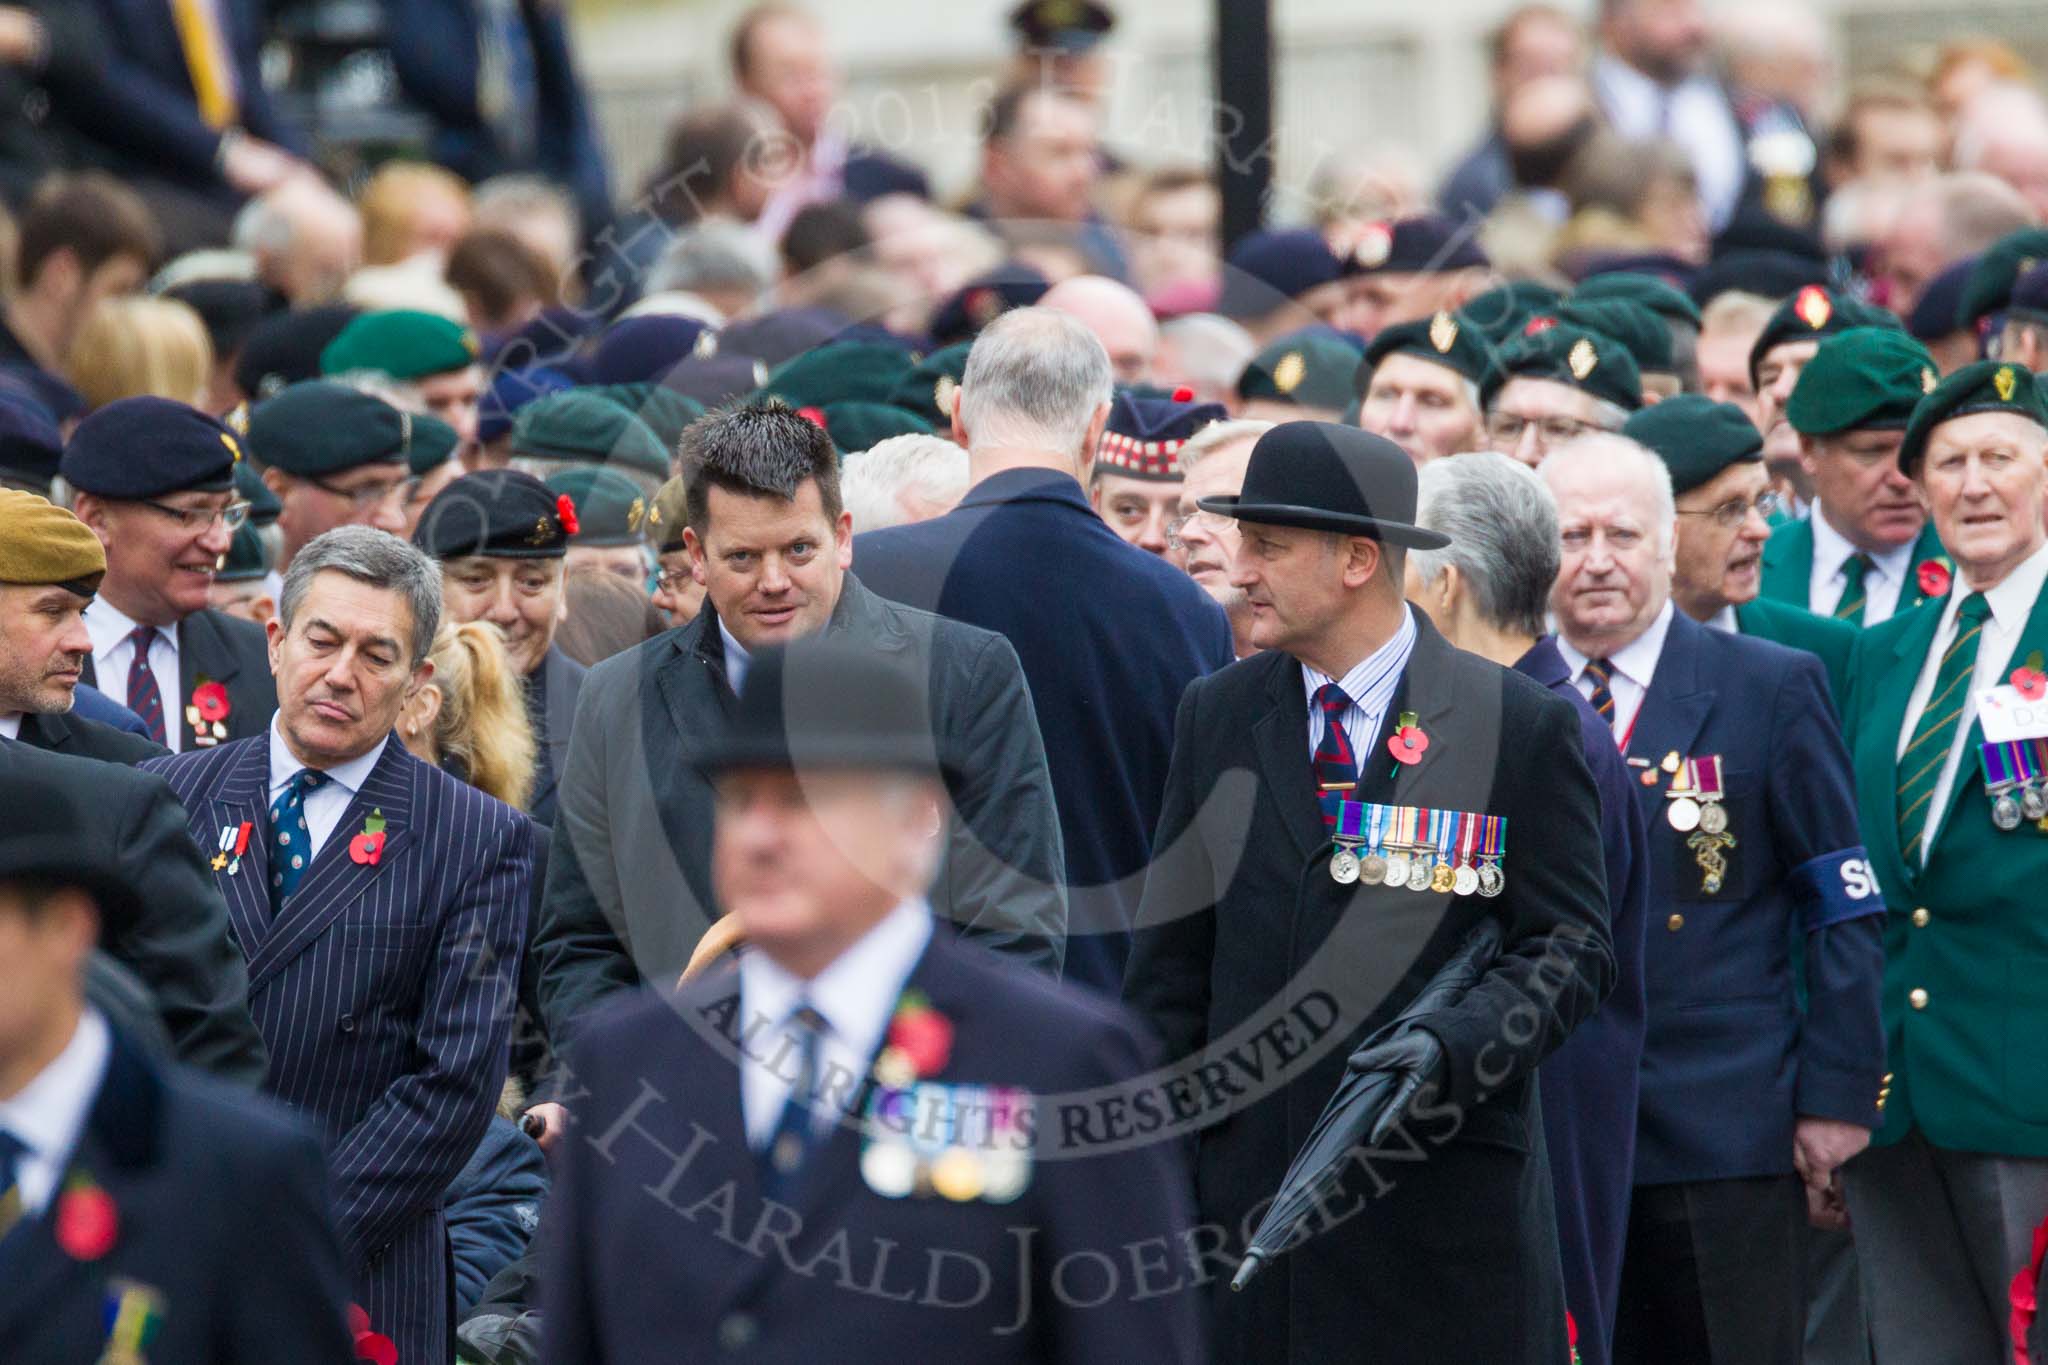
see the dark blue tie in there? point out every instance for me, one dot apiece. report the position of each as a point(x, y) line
point(789, 1146)
point(291, 843)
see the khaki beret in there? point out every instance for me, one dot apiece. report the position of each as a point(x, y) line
point(41, 543)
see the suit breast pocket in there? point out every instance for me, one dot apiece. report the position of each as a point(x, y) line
point(402, 940)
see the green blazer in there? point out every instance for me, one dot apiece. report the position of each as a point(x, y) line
point(1788, 565)
point(1832, 642)
point(1970, 1066)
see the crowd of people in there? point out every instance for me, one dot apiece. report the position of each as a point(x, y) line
point(791, 768)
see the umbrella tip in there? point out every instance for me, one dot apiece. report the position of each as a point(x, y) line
point(1252, 1261)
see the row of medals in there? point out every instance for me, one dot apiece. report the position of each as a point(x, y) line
point(2008, 809)
point(1417, 870)
point(1687, 814)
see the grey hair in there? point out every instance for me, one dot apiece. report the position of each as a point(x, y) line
point(399, 393)
point(1210, 350)
point(379, 559)
point(1608, 454)
point(872, 485)
point(1502, 522)
point(1033, 381)
point(504, 199)
point(1217, 435)
point(712, 255)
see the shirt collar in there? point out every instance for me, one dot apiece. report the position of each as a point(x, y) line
point(10, 725)
point(1370, 674)
point(2012, 598)
point(50, 1111)
point(1832, 550)
point(109, 626)
point(1724, 619)
point(1636, 660)
point(349, 776)
point(737, 659)
point(857, 992)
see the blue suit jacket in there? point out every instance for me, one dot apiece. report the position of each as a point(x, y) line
point(1109, 637)
point(1729, 1061)
point(1589, 1083)
point(385, 993)
point(93, 704)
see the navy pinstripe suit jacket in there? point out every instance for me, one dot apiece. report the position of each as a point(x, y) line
point(385, 993)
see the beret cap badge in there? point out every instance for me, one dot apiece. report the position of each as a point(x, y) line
point(1927, 380)
point(2003, 381)
point(1288, 374)
point(1813, 307)
point(636, 513)
point(1582, 358)
point(1375, 244)
point(1443, 331)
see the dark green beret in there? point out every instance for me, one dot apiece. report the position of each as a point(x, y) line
point(1312, 368)
point(264, 507)
point(502, 513)
point(611, 509)
point(589, 429)
point(147, 447)
point(662, 410)
point(433, 444)
point(41, 543)
point(1864, 377)
point(1982, 386)
point(402, 343)
point(1647, 336)
point(838, 372)
point(1451, 340)
point(1564, 354)
point(318, 427)
point(929, 387)
point(1813, 313)
point(1990, 282)
point(856, 426)
point(1695, 437)
point(1649, 291)
point(1502, 311)
point(247, 558)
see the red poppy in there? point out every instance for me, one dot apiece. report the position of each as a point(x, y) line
point(565, 512)
point(925, 1037)
point(1183, 394)
point(367, 848)
point(1407, 744)
point(815, 416)
point(358, 1321)
point(86, 1222)
point(376, 1348)
point(2030, 683)
point(1933, 577)
point(211, 699)
point(2023, 1295)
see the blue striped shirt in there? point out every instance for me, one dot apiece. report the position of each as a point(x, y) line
point(1370, 684)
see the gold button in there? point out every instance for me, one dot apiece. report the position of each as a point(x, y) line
point(1917, 998)
point(1675, 923)
point(1920, 918)
point(1887, 1078)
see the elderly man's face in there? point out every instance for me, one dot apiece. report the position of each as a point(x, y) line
point(1422, 407)
point(523, 598)
point(1856, 481)
point(43, 648)
point(1776, 376)
point(1382, 299)
point(1724, 369)
point(677, 594)
point(626, 562)
point(344, 668)
point(1984, 479)
point(1211, 541)
point(368, 495)
point(1720, 565)
point(1531, 417)
point(159, 569)
point(1615, 575)
point(1137, 509)
point(1294, 582)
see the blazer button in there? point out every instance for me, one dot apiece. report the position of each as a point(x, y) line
point(1917, 998)
point(1920, 918)
point(347, 1024)
point(1675, 923)
point(738, 1331)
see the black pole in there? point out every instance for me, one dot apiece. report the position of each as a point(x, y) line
point(1244, 113)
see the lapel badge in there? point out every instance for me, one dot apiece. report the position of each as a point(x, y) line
point(133, 1314)
point(1582, 358)
point(1932, 577)
point(367, 848)
point(1443, 331)
point(208, 712)
point(234, 842)
point(1407, 743)
point(86, 1222)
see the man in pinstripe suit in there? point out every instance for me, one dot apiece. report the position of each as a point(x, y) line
point(381, 905)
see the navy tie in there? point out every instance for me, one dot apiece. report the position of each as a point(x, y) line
point(1601, 672)
point(789, 1146)
point(291, 843)
point(143, 698)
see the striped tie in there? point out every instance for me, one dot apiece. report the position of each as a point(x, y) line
point(1921, 764)
point(1601, 671)
point(1335, 762)
point(143, 697)
point(1849, 606)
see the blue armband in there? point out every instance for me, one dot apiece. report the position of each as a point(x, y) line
point(1836, 887)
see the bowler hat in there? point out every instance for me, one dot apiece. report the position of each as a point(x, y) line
point(825, 702)
point(1326, 477)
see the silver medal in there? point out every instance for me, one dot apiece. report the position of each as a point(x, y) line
point(1713, 819)
point(1419, 873)
point(1344, 867)
point(1684, 814)
point(1491, 879)
point(1372, 869)
point(1397, 869)
point(2005, 812)
point(2034, 803)
point(1465, 882)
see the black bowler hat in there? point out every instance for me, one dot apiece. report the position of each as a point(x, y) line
point(40, 844)
point(825, 703)
point(1326, 477)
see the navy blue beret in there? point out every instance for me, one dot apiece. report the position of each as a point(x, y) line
point(980, 302)
point(648, 347)
point(285, 348)
point(512, 390)
point(146, 447)
point(1270, 267)
point(1934, 313)
point(1426, 243)
point(30, 444)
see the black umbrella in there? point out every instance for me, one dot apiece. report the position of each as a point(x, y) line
point(1367, 1101)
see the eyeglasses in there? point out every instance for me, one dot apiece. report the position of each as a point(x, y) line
point(231, 516)
point(669, 580)
point(372, 494)
point(1209, 519)
point(1735, 511)
point(1506, 428)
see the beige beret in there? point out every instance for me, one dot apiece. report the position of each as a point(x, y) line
point(42, 543)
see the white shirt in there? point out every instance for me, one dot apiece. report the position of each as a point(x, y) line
point(10, 725)
point(736, 659)
point(2010, 602)
point(1884, 582)
point(1370, 684)
point(1694, 114)
point(49, 1113)
point(1723, 619)
point(112, 653)
point(1633, 666)
point(856, 995)
point(325, 803)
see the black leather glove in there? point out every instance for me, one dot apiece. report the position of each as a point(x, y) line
point(1414, 1058)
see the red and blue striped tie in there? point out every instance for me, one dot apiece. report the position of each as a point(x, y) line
point(1335, 762)
point(143, 698)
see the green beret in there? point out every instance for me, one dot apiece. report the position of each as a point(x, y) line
point(1864, 377)
point(1695, 437)
point(855, 426)
point(318, 427)
point(663, 411)
point(667, 515)
point(500, 513)
point(837, 372)
point(247, 559)
point(402, 343)
point(589, 429)
point(1982, 386)
point(1649, 291)
point(1557, 351)
point(41, 543)
point(611, 509)
point(264, 508)
point(1501, 312)
point(433, 444)
point(1451, 340)
point(1312, 368)
point(1646, 336)
point(1989, 286)
point(929, 387)
point(1812, 313)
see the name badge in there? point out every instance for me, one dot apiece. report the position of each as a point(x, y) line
point(2007, 716)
